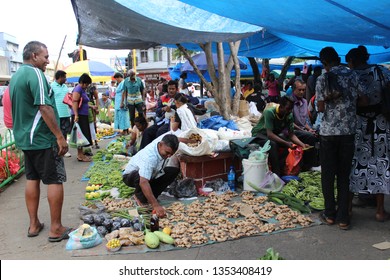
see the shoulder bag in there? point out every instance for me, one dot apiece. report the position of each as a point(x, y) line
point(68, 100)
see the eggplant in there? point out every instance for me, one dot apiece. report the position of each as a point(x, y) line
point(137, 227)
point(98, 220)
point(102, 230)
point(107, 223)
point(115, 226)
point(88, 219)
point(125, 223)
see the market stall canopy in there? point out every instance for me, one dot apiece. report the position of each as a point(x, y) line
point(132, 24)
point(344, 21)
point(98, 71)
point(297, 28)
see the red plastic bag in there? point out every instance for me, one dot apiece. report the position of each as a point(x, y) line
point(292, 161)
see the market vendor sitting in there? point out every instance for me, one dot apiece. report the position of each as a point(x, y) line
point(277, 125)
point(151, 170)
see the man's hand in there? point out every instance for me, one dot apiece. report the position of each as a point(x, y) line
point(160, 211)
point(62, 146)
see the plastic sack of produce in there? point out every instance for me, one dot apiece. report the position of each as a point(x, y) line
point(261, 154)
point(77, 138)
point(270, 183)
point(83, 237)
point(205, 144)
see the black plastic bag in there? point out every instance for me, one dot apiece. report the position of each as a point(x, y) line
point(184, 188)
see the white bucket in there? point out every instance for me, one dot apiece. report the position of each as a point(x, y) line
point(254, 172)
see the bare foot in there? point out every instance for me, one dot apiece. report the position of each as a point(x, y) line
point(381, 217)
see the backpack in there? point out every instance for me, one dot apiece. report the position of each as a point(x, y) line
point(385, 102)
point(311, 109)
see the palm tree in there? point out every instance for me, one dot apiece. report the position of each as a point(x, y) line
point(178, 54)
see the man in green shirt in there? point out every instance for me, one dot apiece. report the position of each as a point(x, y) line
point(37, 133)
point(133, 93)
point(277, 125)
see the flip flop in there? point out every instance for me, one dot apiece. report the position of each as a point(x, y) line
point(29, 234)
point(86, 159)
point(325, 219)
point(65, 235)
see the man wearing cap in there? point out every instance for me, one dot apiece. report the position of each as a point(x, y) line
point(105, 101)
point(133, 95)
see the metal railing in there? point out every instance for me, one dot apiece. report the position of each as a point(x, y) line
point(11, 159)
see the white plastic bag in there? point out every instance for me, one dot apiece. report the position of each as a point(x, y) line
point(77, 138)
point(253, 109)
point(225, 133)
point(206, 146)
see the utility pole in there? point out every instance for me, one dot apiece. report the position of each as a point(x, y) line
point(59, 56)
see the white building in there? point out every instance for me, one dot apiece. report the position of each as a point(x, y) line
point(10, 56)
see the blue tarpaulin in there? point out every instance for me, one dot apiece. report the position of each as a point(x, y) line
point(267, 29)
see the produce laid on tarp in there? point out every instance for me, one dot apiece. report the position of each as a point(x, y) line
point(215, 218)
point(307, 189)
point(122, 224)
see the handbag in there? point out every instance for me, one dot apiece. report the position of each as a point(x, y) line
point(68, 100)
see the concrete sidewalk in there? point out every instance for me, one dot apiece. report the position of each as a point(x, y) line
point(315, 243)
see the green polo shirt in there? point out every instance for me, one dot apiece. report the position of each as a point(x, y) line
point(28, 90)
point(59, 93)
point(134, 90)
point(270, 121)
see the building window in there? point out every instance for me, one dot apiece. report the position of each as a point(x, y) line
point(157, 54)
point(144, 56)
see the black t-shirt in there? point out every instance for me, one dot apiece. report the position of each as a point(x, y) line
point(258, 98)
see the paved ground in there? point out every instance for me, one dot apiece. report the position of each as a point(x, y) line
point(315, 243)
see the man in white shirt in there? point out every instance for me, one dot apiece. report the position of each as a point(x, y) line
point(148, 172)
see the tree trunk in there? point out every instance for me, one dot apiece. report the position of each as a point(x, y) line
point(220, 85)
point(265, 68)
point(283, 73)
point(255, 70)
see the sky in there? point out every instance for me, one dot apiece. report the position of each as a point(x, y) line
point(48, 21)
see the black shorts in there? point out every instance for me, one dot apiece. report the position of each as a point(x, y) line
point(45, 165)
point(65, 126)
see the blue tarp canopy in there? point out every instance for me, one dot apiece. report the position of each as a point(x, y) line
point(132, 24)
point(268, 29)
point(312, 25)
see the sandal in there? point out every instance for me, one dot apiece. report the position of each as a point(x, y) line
point(325, 219)
point(382, 218)
point(84, 159)
point(343, 226)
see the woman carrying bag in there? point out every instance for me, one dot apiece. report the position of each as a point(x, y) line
point(80, 114)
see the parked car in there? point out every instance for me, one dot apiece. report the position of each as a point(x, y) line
point(2, 89)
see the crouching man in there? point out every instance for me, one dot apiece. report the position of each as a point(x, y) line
point(150, 171)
